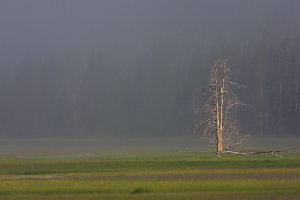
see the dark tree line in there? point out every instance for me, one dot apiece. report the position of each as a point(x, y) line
point(155, 96)
point(270, 70)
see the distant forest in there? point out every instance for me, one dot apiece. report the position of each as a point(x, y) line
point(156, 96)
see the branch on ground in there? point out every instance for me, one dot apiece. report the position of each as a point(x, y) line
point(272, 152)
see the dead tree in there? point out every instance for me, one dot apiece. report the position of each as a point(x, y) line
point(216, 125)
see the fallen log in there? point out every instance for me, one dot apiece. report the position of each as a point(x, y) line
point(272, 152)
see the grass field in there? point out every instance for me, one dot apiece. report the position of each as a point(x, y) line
point(157, 175)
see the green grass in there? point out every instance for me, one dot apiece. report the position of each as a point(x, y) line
point(167, 175)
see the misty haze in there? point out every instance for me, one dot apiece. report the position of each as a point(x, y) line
point(149, 99)
point(136, 69)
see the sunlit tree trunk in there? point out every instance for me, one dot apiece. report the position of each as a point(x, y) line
point(218, 118)
point(219, 103)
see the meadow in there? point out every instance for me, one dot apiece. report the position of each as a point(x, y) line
point(167, 174)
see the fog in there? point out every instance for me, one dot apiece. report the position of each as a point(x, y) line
point(125, 28)
point(137, 67)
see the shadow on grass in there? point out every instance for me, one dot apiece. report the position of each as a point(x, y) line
point(140, 191)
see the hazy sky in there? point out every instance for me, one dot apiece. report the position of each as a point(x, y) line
point(63, 35)
point(123, 28)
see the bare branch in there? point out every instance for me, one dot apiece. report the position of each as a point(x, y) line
point(235, 84)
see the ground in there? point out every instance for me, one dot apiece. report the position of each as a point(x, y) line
point(163, 173)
